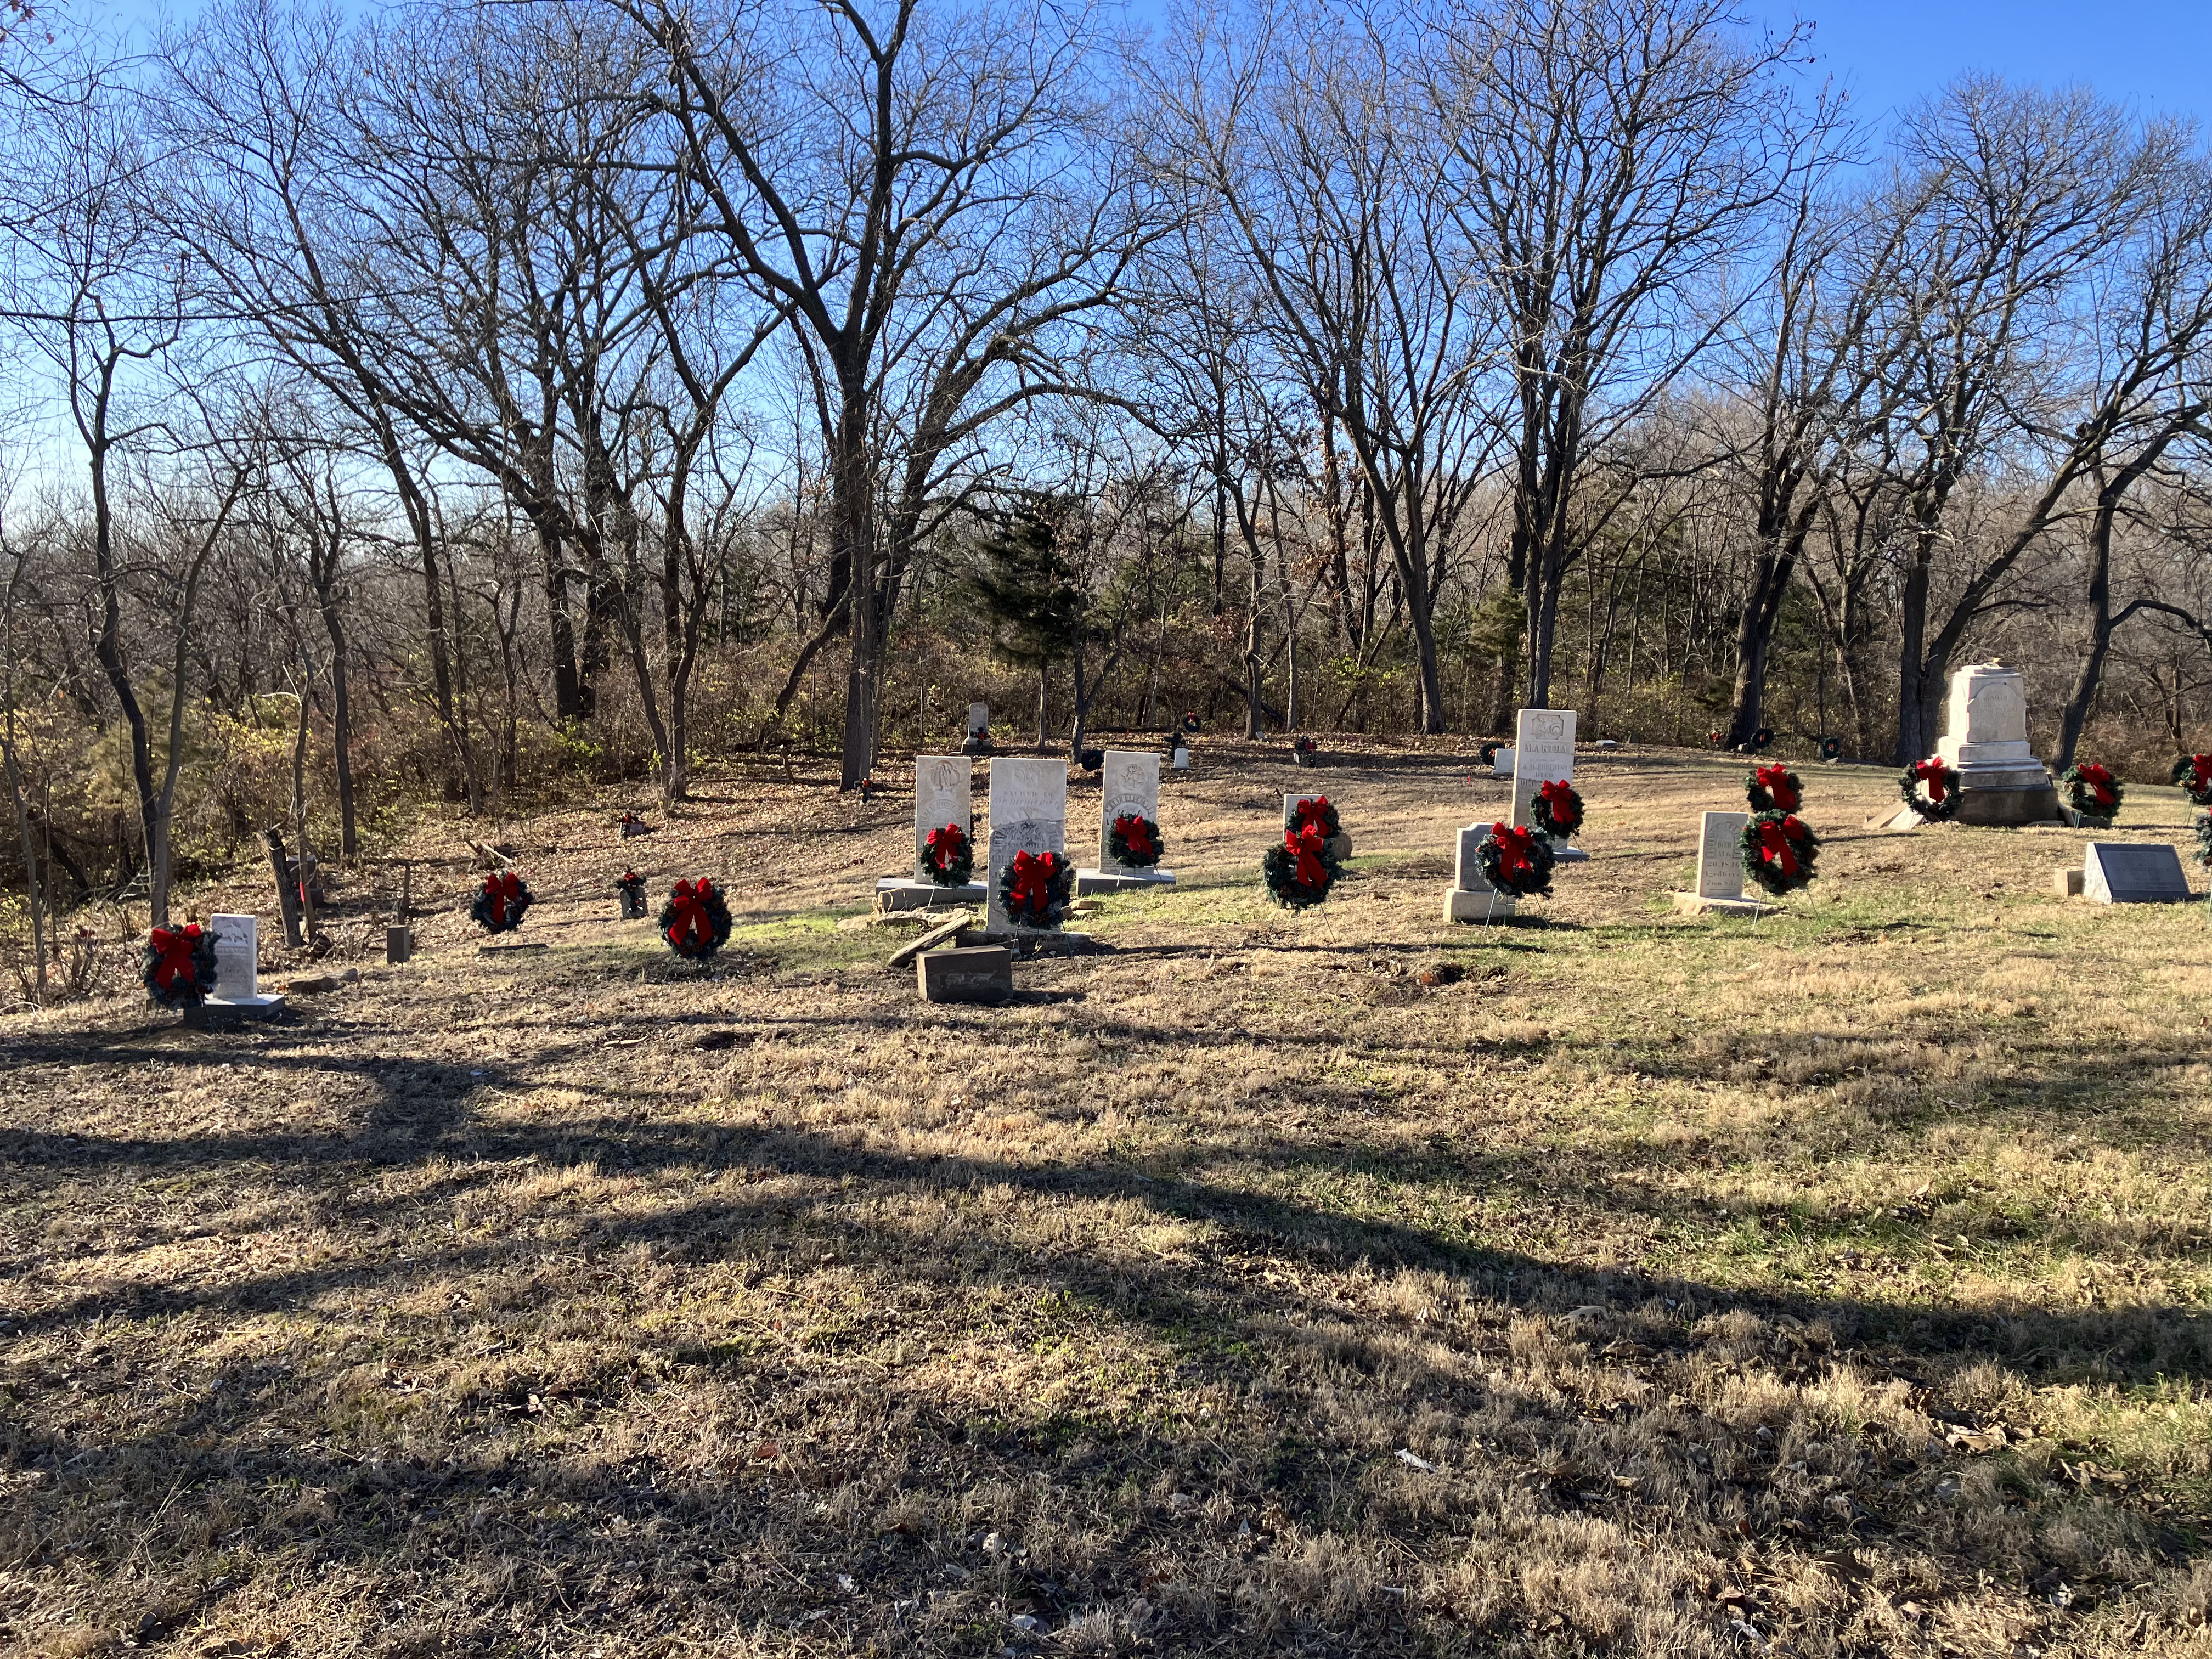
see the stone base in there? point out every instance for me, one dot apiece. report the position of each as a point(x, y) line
point(1563, 853)
point(2066, 884)
point(968, 973)
point(1461, 905)
point(1697, 904)
point(217, 1014)
point(1117, 880)
point(2006, 808)
point(905, 893)
point(1048, 941)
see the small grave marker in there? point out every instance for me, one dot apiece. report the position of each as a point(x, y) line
point(943, 793)
point(1471, 898)
point(1129, 784)
point(2127, 872)
point(1720, 869)
point(1028, 814)
point(967, 973)
point(237, 976)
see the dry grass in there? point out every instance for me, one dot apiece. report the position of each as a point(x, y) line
point(1834, 1287)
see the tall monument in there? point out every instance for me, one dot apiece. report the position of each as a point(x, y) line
point(2000, 779)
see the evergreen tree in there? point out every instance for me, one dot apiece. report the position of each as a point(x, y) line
point(1022, 579)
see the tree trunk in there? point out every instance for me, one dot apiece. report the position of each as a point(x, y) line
point(1915, 740)
point(853, 539)
point(2092, 672)
point(1754, 643)
point(342, 733)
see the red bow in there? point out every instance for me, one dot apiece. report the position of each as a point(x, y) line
point(1306, 843)
point(502, 891)
point(1560, 796)
point(2099, 781)
point(1775, 779)
point(944, 845)
point(1930, 772)
point(1774, 840)
point(1131, 828)
point(689, 902)
point(1513, 853)
point(174, 951)
point(1033, 874)
point(2202, 766)
point(1313, 810)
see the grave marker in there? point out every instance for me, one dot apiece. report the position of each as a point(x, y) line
point(1028, 814)
point(1543, 752)
point(1720, 869)
point(1471, 898)
point(237, 974)
point(2128, 872)
point(1985, 742)
point(943, 794)
point(1128, 782)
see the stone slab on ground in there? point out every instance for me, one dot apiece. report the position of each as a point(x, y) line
point(967, 973)
point(1697, 904)
point(904, 893)
point(1121, 878)
point(215, 1015)
point(497, 950)
point(2133, 872)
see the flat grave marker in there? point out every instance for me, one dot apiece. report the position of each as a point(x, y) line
point(2133, 872)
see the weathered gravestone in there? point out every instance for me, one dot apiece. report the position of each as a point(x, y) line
point(943, 794)
point(1028, 814)
point(1985, 742)
point(966, 973)
point(1501, 763)
point(1471, 898)
point(1543, 752)
point(1720, 868)
point(1339, 843)
point(1130, 785)
point(2133, 872)
point(237, 976)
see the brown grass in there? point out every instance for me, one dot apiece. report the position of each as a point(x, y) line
point(1834, 1287)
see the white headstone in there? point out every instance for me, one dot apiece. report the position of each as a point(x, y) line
point(2133, 872)
point(979, 718)
point(1471, 898)
point(1182, 757)
point(1466, 867)
point(1543, 752)
point(943, 794)
point(1028, 814)
point(1720, 855)
point(237, 957)
point(1501, 763)
point(1987, 742)
point(1129, 784)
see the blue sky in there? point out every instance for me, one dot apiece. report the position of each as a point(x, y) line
point(2156, 55)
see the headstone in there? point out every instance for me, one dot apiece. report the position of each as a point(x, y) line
point(2068, 884)
point(943, 794)
point(979, 719)
point(1180, 759)
point(237, 974)
point(1128, 783)
point(1471, 898)
point(967, 973)
point(1720, 868)
point(399, 945)
point(2133, 872)
point(1543, 752)
point(2000, 779)
point(1501, 763)
point(1339, 843)
point(1028, 814)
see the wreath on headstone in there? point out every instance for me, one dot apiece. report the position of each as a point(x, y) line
point(1035, 888)
point(1556, 811)
point(2204, 839)
point(1301, 871)
point(1190, 721)
point(1774, 788)
point(1517, 861)
point(1778, 849)
point(1832, 749)
point(2194, 773)
point(2092, 790)
point(1316, 810)
point(948, 855)
point(631, 886)
point(1135, 840)
point(498, 909)
point(178, 965)
point(696, 920)
point(1930, 788)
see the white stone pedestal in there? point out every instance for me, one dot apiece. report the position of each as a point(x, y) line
point(1471, 898)
point(2000, 779)
point(1720, 870)
point(237, 976)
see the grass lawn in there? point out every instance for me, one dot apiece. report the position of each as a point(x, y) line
point(1836, 1284)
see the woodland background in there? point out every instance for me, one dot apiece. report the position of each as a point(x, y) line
point(454, 403)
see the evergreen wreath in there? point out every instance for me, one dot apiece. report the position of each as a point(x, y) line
point(1316, 810)
point(1035, 888)
point(1485, 754)
point(1777, 850)
point(1557, 811)
point(498, 909)
point(1134, 840)
point(2092, 790)
point(178, 965)
point(948, 856)
point(1774, 788)
point(1303, 869)
point(696, 920)
point(1941, 799)
point(631, 886)
point(2204, 840)
point(1831, 748)
point(1517, 861)
point(2194, 773)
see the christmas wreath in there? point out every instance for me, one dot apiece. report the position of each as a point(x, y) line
point(631, 886)
point(1778, 851)
point(1034, 889)
point(2204, 840)
point(1557, 811)
point(1190, 721)
point(1940, 783)
point(498, 907)
point(1517, 861)
point(1303, 869)
point(2092, 790)
point(948, 856)
point(178, 966)
point(696, 920)
point(1774, 788)
point(1315, 810)
point(2194, 773)
point(1831, 748)
point(1486, 754)
point(631, 824)
point(1135, 840)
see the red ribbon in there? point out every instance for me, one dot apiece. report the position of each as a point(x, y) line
point(1312, 811)
point(1774, 840)
point(1306, 843)
point(502, 891)
point(174, 950)
point(1560, 796)
point(1775, 779)
point(691, 918)
point(1515, 854)
point(1930, 772)
point(1033, 874)
point(1131, 829)
point(944, 845)
point(2099, 781)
